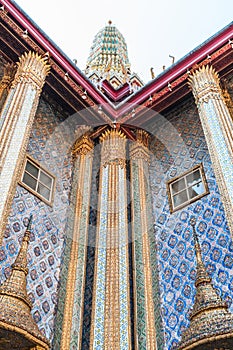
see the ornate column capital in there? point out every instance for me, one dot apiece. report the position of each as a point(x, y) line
point(113, 147)
point(9, 72)
point(204, 83)
point(83, 146)
point(32, 69)
point(5, 83)
point(143, 137)
point(139, 149)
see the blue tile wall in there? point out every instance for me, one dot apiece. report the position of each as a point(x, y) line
point(178, 146)
point(49, 144)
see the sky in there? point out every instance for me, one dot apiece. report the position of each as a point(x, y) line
point(153, 29)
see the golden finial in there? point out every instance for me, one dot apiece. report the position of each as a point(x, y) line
point(152, 73)
point(109, 22)
point(21, 260)
point(202, 275)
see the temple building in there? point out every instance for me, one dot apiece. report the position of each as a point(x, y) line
point(116, 196)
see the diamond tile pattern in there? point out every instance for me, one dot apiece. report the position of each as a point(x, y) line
point(180, 145)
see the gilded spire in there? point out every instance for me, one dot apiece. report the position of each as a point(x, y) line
point(16, 322)
point(108, 57)
point(211, 324)
point(201, 274)
point(15, 285)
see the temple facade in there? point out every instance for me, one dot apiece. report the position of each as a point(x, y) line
point(116, 196)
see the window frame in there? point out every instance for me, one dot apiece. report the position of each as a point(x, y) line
point(184, 176)
point(46, 172)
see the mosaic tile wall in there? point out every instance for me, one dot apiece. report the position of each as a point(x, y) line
point(49, 144)
point(179, 145)
point(185, 147)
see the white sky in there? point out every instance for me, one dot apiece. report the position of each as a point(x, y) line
point(152, 29)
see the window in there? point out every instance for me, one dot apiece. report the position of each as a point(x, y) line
point(187, 188)
point(37, 180)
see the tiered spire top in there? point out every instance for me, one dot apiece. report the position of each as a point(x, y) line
point(109, 53)
point(211, 324)
point(18, 330)
point(108, 60)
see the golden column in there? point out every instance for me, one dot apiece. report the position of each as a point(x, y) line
point(110, 328)
point(9, 72)
point(16, 122)
point(218, 129)
point(142, 239)
point(70, 307)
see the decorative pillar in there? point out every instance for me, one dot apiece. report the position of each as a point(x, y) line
point(146, 294)
point(110, 326)
point(218, 129)
point(16, 122)
point(9, 72)
point(68, 332)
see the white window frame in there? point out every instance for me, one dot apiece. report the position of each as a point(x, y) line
point(37, 179)
point(184, 176)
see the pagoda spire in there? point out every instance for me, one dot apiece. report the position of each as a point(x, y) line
point(108, 59)
point(15, 285)
point(18, 329)
point(211, 324)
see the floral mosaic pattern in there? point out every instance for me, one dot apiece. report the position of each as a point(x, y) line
point(186, 147)
point(46, 243)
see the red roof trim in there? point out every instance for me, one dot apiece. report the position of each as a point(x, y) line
point(53, 51)
point(115, 94)
point(154, 86)
point(181, 67)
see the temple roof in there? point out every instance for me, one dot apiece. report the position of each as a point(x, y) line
point(211, 324)
point(67, 84)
